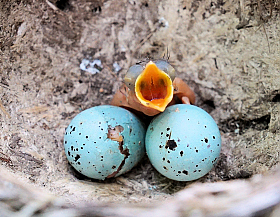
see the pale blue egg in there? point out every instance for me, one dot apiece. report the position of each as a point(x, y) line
point(104, 141)
point(183, 143)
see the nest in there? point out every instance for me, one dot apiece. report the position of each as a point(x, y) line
point(258, 196)
point(228, 52)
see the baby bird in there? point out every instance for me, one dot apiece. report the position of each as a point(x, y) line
point(150, 87)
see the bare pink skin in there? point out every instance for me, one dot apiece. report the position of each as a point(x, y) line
point(127, 99)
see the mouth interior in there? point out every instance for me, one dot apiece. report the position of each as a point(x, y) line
point(154, 87)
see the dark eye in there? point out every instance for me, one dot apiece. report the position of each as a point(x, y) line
point(132, 75)
point(166, 67)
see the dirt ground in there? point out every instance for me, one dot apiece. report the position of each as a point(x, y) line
point(227, 51)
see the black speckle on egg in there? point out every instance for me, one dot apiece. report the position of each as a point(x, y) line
point(84, 144)
point(71, 126)
point(69, 153)
point(161, 133)
point(171, 144)
point(181, 153)
point(185, 172)
point(65, 133)
point(164, 167)
point(179, 172)
point(65, 142)
point(79, 163)
point(99, 172)
point(163, 159)
point(196, 165)
point(214, 137)
point(206, 140)
point(114, 167)
point(199, 171)
point(72, 148)
point(99, 137)
point(167, 128)
point(77, 157)
point(86, 137)
point(195, 171)
point(160, 146)
point(213, 161)
point(168, 161)
point(196, 151)
point(74, 129)
point(82, 147)
point(80, 133)
point(218, 144)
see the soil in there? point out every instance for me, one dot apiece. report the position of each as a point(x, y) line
point(227, 51)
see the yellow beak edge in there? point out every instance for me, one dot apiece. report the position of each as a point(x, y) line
point(153, 87)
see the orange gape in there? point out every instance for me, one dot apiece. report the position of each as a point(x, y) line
point(153, 87)
point(153, 92)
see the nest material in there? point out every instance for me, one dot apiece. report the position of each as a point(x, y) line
point(258, 196)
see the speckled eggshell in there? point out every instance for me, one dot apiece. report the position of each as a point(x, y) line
point(91, 150)
point(183, 143)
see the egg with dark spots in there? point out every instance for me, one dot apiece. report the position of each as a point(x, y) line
point(104, 141)
point(183, 143)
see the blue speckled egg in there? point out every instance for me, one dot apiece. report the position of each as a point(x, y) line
point(104, 141)
point(183, 143)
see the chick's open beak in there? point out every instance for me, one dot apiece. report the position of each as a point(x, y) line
point(153, 87)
